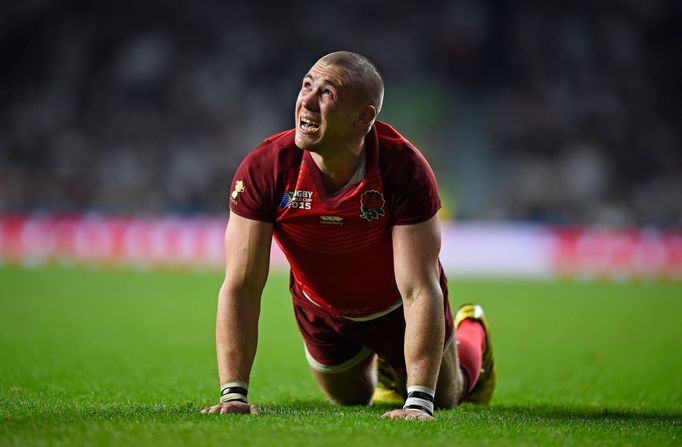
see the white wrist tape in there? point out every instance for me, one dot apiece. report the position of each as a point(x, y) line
point(420, 398)
point(235, 390)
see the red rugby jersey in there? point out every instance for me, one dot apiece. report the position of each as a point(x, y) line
point(339, 246)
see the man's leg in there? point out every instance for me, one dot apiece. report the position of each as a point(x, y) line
point(344, 368)
point(450, 384)
point(349, 386)
point(467, 371)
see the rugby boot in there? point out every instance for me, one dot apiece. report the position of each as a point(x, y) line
point(386, 392)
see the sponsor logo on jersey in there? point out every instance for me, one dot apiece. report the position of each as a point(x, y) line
point(238, 187)
point(372, 205)
point(331, 220)
point(302, 200)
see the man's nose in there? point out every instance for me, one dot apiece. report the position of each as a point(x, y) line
point(309, 100)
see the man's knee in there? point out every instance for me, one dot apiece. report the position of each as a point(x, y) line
point(350, 398)
point(450, 381)
point(354, 386)
point(446, 401)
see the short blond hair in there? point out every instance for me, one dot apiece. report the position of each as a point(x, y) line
point(363, 74)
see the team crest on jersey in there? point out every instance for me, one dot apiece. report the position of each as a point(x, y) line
point(238, 187)
point(372, 205)
point(302, 200)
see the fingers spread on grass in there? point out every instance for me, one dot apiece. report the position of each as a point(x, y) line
point(407, 414)
point(214, 409)
point(235, 407)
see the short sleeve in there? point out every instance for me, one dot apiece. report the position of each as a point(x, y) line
point(252, 192)
point(411, 187)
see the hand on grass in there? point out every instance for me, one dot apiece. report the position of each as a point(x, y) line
point(407, 414)
point(233, 407)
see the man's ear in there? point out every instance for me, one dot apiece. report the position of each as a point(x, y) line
point(367, 115)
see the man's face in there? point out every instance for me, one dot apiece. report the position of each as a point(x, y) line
point(325, 109)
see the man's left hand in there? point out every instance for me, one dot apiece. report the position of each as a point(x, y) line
point(407, 414)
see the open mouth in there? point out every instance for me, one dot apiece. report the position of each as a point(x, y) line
point(308, 126)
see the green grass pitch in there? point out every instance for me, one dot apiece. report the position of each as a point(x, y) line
point(98, 357)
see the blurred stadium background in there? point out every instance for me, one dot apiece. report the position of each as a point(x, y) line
point(554, 128)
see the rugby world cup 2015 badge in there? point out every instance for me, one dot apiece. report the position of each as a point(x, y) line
point(372, 205)
point(302, 200)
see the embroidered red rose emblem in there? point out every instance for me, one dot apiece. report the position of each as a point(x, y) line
point(371, 205)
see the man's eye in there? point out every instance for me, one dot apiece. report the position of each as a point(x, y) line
point(328, 93)
point(306, 85)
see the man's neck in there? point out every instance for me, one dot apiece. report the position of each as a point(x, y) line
point(338, 167)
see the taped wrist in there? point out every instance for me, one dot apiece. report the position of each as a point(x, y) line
point(235, 390)
point(420, 398)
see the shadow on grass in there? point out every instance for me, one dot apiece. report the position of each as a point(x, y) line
point(556, 413)
point(17, 409)
point(539, 413)
point(574, 414)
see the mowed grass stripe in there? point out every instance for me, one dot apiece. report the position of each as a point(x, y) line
point(117, 357)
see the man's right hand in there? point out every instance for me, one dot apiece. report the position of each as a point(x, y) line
point(233, 407)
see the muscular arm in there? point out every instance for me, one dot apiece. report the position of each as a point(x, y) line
point(415, 253)
point(247, 257)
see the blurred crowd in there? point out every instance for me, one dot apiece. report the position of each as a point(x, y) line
point(560, 112)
